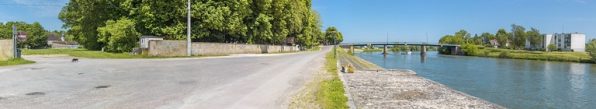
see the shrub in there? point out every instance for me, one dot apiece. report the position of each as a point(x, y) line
point(591, 49)
point(444, 50)
point(572, 50)
point(120, 35)
point(504, 54)
point(469, 49)
point(481, 47)
point(486, 53)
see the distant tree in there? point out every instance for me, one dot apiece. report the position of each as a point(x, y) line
point(552, 47)
point(502, 37)
point(330, 35)
point(591, 49)
point(534, 37)
point(469, 49)
point(487, 37)
point(519, 35)
point(464, 35)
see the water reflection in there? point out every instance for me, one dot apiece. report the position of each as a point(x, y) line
point(508, 82)
point(422, 58)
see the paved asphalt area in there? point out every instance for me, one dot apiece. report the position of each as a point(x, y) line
point(239, 81)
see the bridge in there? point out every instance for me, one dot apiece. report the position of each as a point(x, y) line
point(455, 48)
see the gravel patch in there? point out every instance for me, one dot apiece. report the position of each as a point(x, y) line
point(381, 89)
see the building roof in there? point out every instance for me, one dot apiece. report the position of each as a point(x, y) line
point(151, 37)
point(53, 37)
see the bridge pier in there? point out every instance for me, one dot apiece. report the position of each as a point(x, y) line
point(384, 49)
point(352, 49)
point(423, 50)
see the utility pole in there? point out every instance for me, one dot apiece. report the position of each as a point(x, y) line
point(334, 42)
point(426, 38)
point(387, 38)
point(188, 32)
point(14, 41)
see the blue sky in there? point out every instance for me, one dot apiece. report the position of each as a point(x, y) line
point(410, 20)
point(403, 20)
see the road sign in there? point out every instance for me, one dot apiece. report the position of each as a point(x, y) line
point(22, 36)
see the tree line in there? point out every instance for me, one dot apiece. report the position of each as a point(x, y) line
point(36, 34)
point(517, 37)
point(116, 24)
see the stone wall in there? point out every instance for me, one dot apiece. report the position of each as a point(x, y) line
point(178, 48)
point(6, 49)
point(167, 48)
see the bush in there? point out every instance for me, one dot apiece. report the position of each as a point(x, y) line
point(551, 47)
point(469, 49)
point(591, 49)
point(481, 47)
point(120, 36)
point(444, 50)
point(504, 54)
point(486, 53)
point(572, 50)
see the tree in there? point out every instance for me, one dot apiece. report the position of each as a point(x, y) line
point(477, 40)
point(519, 35)
point(534, 37)
point(552, 47)
point(120, 36)
point(464, 36)
point(487, 37)
point(469, 49)
point(591, 49)
point(502, 37)
point(36, 34)
point(330, 35)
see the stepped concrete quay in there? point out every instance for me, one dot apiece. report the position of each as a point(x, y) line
point(371, 86)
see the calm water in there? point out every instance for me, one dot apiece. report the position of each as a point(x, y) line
point(521, 84)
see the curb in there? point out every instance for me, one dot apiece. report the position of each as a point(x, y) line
point(348, 94)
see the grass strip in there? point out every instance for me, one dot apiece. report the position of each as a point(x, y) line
point(15, 61)
point(84, 53)
point(331, 93)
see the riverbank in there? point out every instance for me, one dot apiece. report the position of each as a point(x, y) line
point(374, 87)
point(579, 57)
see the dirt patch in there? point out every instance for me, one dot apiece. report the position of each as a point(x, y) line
point(409, 95)
point(103, 86)
point(36, 93)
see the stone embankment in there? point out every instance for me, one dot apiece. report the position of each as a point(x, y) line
point(374, 87)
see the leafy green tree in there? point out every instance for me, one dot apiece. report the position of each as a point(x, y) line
point(36, 34)
point(330, 35)
point(469, 49)
point(551, 47)
point(534, 37)
point(591, 49)
point(487, 37)
point(502, 37)
point(120, 36)
point(519, 35)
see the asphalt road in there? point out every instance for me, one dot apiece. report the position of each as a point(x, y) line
point(238, 81)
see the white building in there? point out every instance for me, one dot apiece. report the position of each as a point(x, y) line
point(144, 40)
point(565, 41)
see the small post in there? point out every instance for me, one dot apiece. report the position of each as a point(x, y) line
point(334, 44)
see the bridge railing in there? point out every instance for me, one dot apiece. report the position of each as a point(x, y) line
point(382, 43)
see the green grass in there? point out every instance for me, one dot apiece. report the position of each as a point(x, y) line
point(581, 57)
point(331, 93)
point(84, 53)
point(15, 61)
point(372, 50)
point(317, 48)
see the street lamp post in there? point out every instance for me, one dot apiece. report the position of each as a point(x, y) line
point(334, 44)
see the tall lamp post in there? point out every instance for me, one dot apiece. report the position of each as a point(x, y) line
point(334, 44)
point(188, 53)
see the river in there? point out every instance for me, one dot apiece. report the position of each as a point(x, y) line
point(518, 84)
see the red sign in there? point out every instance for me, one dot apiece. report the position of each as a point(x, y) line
point(22, 36)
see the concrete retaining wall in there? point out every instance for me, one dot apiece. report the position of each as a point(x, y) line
point(6, 49)
point(178, 48)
